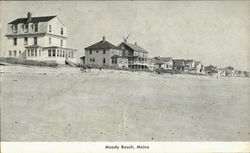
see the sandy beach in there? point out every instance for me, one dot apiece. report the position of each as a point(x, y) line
point(65, 104)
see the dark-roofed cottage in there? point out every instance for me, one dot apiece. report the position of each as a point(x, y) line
point(137, 56)
point(39, 38)
point(165, 63)
point(103, 53)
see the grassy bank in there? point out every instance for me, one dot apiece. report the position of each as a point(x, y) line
point(28, 62)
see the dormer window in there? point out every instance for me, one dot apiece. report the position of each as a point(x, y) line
point(25, 27)
point(61, 31)
point(50, 29)
point(15, 28)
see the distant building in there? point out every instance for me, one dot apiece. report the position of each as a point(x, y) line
point(179, 64)
point(137, 56)
point(39, 38)
point(211, 70)
point(103, 53)
point(221, 72)
point(164, 62)
point(229, 71)
point(189, 65)
point(199, 68)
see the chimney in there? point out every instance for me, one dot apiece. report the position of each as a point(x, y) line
point(29, 17)
point(103, 39)
point(135, 43)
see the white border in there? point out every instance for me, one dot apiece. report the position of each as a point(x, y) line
point(97, 147)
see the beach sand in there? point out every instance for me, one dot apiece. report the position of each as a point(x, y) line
point(65, 104)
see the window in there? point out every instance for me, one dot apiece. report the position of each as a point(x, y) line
point(61, 43)
point(104, 60)
point(60, 53)
point(61, 31)
point(63, 53)
point(104, 51)
point(50, 29)
point(19, 52)
point(49, 41)
point(35, 40)
point(26, 27)
point(49, 53)
point(39, 52)
point(15, 28)
point(57, 51)
point(32, 52)
point(90, 51)
point(97, 51)
point(53, 52)
point(93, 59)
point(114, 61)
point(10, 53)
point(28, 52)
point(35, 52)
point(14, 53)
point(25, 40)
point(71, 54)
point(36, 27)
point(15, 41)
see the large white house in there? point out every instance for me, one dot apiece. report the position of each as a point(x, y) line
point(39, 38)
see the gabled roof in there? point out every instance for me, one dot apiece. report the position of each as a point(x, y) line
point(197, 63)
point(210, 67)
point(102, 45)
point(33, 19)
point(161, 60)
point(165, 59)
point(135, 47)
point(188, 61)
point(229, 68)
point(179, 62)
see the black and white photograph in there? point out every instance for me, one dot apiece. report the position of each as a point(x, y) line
point(125, 71)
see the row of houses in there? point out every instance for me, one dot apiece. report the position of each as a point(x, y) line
point(44, 39)
point(228, 71)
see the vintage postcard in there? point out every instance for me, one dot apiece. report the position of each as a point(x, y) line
point(127, 76)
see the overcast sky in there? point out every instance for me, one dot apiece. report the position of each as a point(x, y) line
point(213, 32)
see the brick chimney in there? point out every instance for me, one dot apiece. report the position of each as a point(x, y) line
point(103, 39)
point(135, 43)
point(29, 17)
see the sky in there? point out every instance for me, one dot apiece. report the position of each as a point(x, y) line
point(213, 32)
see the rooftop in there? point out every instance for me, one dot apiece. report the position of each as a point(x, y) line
point(33, 19)
point(102, 45)
point(135, 47)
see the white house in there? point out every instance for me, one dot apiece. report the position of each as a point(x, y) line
point(39, 38)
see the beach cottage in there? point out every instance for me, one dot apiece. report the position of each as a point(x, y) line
point(39, 38)
point(211, 70)
point(165, 63)
point(136, 55)
point(103, 53)
point(179, 64)
point(198, 68)
point(189, 65)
